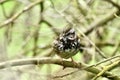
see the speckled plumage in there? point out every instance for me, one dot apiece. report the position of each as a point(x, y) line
point(67, 44)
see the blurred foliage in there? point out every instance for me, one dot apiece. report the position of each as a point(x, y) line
point(33, 32)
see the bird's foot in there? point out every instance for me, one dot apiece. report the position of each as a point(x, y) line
point(75, 64)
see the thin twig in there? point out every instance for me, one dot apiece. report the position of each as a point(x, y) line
point(3, 1)
point(15, 16)
point(55, 30)
point(114, 4)
point(107, 68)
point(83, 7)
point(99, 51)
point(66, 74)
point(101, 44)
point(97, 23)
point(105, 60)
point(116, 49)
point(36, 34)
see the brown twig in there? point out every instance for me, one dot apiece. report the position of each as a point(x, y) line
point(55, 30)
point(107, 68)
point(114, 4)
point(102, 44)
point(97, 23)
point(36, 34)
point(3, 1)
point(104, 20)
point(15, 16)
point(83, 7)
point(116, 49)
point(99, 51)
point(105, 60)
point(66, 74)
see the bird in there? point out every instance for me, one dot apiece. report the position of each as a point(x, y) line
point(67, 44)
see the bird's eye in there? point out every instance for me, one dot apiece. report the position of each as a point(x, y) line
point(71, 37)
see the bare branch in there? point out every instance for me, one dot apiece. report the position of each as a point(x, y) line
point(105, 60)
point(65, 63)
point(114, 4)
point(107, 68)
point(14, 17)
point(3, 1)
point(97, 23)
point(83, 7)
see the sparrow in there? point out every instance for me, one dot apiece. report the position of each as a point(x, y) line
point(67, 44)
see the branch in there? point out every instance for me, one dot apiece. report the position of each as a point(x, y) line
point(66, 74)
point(102, 44)
point(99, 51)
point(55, 30)
point(107, 68)
point(84, 8)
point(65, 63)
point(3, 1)
point(116, 49)
point(105, 60)
point(14, 17)
point(102, 21)
point(114, 4)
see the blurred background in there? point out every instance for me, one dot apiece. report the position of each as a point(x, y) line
point(29, 27)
